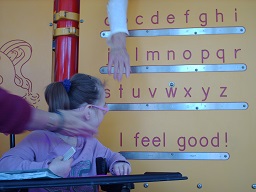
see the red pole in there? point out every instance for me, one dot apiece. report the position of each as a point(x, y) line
point(66, 46)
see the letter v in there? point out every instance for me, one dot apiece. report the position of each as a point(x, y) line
point(152, 95)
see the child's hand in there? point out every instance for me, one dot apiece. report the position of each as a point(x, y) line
point(122, 168)
point(60, 167)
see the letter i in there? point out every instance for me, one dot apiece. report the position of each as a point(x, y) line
point(121, 139)
point(235, 15)
point(136, 54)
point(108, 54)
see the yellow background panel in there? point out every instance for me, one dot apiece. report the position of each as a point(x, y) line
point(235, 130)
point(25, 52)
point(27, 33)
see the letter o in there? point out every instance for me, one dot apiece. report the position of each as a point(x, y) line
point(189, 142)
point(184, 54)
point(206, 141)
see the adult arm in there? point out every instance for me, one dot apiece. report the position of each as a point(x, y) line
point(16, 116)
point(70, 123)
point(117, 16)
point(15, 113)
point(119, 58)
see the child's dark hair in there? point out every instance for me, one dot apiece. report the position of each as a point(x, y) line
point(83, 89)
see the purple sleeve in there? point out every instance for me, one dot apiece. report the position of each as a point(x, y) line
point(15, 113)
point(111, 157)
point(27, 154)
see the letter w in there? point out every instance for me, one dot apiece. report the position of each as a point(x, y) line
point(171, 92)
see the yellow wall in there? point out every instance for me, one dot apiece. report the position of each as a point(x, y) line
point(28, 21)
point(231, 131)
point(25, 52)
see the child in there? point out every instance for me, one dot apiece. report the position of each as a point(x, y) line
point(45, 149)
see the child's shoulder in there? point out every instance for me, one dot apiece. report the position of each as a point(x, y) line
point(91, 139)
point(42, 133)
point(88, 140)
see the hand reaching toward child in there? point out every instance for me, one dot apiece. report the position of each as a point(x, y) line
point(121, 168)
point(60, 167)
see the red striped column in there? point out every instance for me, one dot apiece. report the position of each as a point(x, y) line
point(66, 46)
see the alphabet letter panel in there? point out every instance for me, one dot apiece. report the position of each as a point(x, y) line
point(189, 103)
point(25, 52)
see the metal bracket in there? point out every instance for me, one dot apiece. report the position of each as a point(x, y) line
point(143, 155)
point(66, 31)
point(229, 67)
point(181, 31)
point(176, 106)
point(66, 15)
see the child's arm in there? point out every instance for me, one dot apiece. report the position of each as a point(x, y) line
point(24, 155)
point(121, 168)
point(117, 163)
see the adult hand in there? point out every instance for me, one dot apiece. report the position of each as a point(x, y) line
point(75, 124)
point(60, 167)
point(121, 168)
point(70, 122)
point(119, 57)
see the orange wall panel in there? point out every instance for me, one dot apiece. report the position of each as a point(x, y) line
point(25, 52)
point(183, 131)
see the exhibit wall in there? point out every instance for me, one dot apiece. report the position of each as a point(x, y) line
point(189, 103)
point(25, 52)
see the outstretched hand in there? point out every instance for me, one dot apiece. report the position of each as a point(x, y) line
point(119, 57)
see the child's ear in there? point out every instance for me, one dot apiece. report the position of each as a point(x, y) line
point(87, 113)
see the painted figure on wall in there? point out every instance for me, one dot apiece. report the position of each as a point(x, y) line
point(14, 55)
